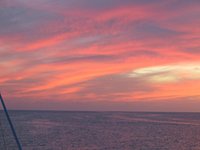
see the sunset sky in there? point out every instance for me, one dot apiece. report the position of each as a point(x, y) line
point(134, 55)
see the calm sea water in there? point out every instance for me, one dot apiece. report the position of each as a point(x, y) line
point(48, 130)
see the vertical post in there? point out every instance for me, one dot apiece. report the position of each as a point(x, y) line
point(10, 123)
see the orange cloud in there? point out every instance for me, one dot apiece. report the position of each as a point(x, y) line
point(125, 52)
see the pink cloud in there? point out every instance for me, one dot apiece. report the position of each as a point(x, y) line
point(49, 49)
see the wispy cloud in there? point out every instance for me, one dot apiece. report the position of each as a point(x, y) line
point(109, 50)
point(168, 73)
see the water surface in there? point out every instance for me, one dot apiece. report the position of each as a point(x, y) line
point(51, 130)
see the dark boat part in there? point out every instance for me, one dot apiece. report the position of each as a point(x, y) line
point(10, 123)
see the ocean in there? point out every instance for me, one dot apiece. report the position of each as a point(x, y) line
point(65, 130)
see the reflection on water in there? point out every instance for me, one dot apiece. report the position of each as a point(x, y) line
point(46, 130)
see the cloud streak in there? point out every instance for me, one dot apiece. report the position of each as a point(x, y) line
point(92, 51)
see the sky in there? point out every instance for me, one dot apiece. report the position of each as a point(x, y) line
point(109, 55)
